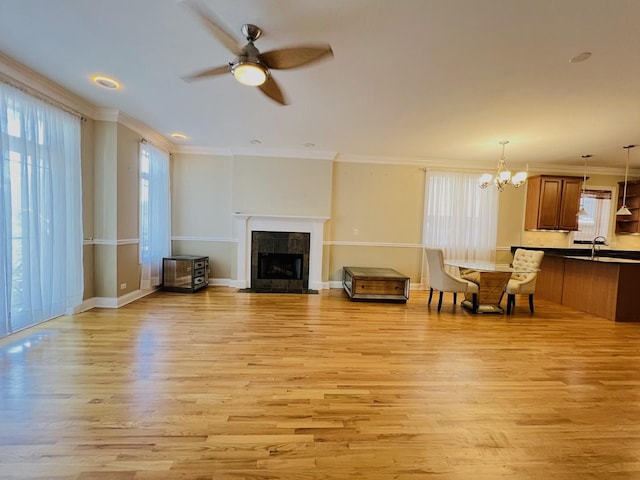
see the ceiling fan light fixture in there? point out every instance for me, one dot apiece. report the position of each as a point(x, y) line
point(249, 73)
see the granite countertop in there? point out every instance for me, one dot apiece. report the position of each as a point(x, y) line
point(601, 259)
point(604, 254)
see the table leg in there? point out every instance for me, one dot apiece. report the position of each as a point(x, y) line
point(491, 290)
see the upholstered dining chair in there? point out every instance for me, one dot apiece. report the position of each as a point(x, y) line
point(523, 283)
point(443, 281)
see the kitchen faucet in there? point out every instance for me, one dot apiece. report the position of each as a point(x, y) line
point(593, 245)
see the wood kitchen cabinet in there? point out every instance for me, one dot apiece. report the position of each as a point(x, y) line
point(552, 202)
point(606, 287)
point(629, 224)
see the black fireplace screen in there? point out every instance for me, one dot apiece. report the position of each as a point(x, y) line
point(284, 266)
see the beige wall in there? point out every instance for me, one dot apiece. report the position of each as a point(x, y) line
point(377, 203)
point(128, 178)
point(376, 218)
point(87, 158)
point(202, 211)
point(105, 180)
point(201, 196)
point(114, 223)
point(282, 186)
point(510, 221)
point(104, 207)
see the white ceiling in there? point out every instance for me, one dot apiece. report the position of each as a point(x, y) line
point(433, 81)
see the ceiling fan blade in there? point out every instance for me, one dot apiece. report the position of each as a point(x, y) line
point(208, 73)
point(293, 57)
point(215, 26)
point(272, 90)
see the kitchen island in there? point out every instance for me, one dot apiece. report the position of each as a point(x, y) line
point(604, 285)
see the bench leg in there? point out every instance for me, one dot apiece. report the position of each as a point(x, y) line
point(430, 295)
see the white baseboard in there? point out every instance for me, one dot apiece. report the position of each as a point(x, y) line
point(111, 302)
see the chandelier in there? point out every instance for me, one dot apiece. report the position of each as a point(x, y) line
point(503, 175)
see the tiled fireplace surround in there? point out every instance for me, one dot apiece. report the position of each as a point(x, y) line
point(246, 224)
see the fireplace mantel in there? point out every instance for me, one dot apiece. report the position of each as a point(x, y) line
point(246, 223)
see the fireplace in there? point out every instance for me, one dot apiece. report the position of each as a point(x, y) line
point(245, 224)
point(280, 262)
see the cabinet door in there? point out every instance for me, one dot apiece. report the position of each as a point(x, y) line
point(550, 196)
point(569, 204)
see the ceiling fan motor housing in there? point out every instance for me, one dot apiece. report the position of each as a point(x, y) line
point(251, 32)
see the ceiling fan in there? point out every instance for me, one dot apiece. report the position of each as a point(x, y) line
point(250, 67)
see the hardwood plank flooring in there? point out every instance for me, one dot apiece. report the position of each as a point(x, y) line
point(226, 385)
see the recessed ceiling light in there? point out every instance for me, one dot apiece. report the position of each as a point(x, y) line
point(106, 82)
point(255, 142)
point(309, 145)
point(581, 57)
point(179, 136)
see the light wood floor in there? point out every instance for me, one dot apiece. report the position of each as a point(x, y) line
point(227, 385)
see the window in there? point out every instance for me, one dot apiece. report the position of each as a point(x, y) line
point(40, 209)
point(459, 217)
point(155, 214)
point(597, 202)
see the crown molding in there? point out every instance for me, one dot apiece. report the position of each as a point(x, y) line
point(457, 165)
point(22, 77)
point(578, 170)
point(285, 153)
point(257, 152)
point(107, 114)
point(146, 132)
point(199, 150)
point(409, 161)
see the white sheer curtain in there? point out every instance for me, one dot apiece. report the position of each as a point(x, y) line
point(41, 274)
point(155, 214)
point(460, 217)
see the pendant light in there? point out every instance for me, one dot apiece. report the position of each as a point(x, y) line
point(582, 212)
point(623, 210)
point(503, 175)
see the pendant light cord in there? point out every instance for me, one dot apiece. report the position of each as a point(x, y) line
point(626, 175)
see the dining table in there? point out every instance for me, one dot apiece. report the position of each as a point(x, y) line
point(491, 278)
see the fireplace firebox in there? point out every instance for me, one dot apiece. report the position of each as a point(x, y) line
point(280, 262)
point(280, 266)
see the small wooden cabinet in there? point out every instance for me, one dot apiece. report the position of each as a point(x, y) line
point(185, 273)
point(552, 202)
point(629, 224)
